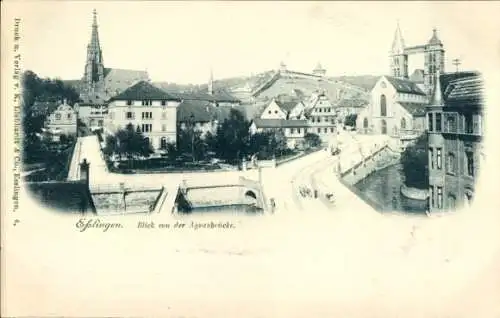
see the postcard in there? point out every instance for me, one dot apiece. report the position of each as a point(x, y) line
point(250, 159)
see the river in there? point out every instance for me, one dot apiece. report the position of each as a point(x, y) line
point(383, 188)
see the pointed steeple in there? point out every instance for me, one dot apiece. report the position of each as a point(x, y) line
point(437, 94)
point(398, 44)
point(211, 83)
point(434, 39)
point(94, 44)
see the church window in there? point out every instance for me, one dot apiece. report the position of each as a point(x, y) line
point(383, 105)
point(403, 123)
point(452, 201)
point(438, 122)
point(438, 157)
point(129, 103)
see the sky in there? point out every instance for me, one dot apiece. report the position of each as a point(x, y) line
point(181, 41)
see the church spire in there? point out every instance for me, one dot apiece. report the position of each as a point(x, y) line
point(437, 94)
point(398, 44)
point(94, 67)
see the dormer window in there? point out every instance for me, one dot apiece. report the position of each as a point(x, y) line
point(129, 103)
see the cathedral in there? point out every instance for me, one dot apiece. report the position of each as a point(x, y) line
point(99, 84)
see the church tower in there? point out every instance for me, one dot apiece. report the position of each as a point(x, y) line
point(434, 61)
point(398, 56)
point(93, 77)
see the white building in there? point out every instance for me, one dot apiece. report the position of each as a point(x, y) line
point(284, 110)
point(396, 108)
point(63, 120)
point(149, 109)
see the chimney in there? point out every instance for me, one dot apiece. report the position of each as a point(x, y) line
point(84, 172)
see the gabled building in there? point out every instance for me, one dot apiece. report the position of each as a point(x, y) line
point(455, 133)
point(293, 130)
point(149, 109)
point(199, 114)
point(63, 120)
point(322, 118)
point(396, 108)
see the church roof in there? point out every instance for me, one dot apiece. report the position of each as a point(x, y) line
point(417, 76)
point(287, 106)
point(415, 109)
point(144, 90)
point(405, 86)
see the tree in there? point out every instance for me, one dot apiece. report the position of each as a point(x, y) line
point(130, 143)
point(277, 142)
point(312, 140)
point(350, 120)
point(233, 137)
point(415, 162)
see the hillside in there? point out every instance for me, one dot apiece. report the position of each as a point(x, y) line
point(364, 81)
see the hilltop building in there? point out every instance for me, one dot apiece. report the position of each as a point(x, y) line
point(455, 132)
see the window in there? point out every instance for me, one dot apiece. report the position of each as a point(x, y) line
point(164, 115)
point(268, 111)
point(58, 116)
point(320, 110)
point(147, 102)
point(431, 158)
point(438, 122)
point(403, 123)
point(130, 115)
point(470, 163)
point(147, 115)
point(365, 123)
point(430, 120)
point(298, 130)
point(129, 103)
point(325, 130)
point(451, 124)
point(146, 128)
point(383, 105)
point(163, 127)
point(319, 130)
point(475, 124)
point(452, 201)
point(275, 111)
point(440, 197)
point(438, 157)
point(163, 143)
point(431, 196)
point(468, 123)
point(69, 116)
point(383, 126)
point(331, 129)
point(163, 102)
point(451, 168)
point(292, 130)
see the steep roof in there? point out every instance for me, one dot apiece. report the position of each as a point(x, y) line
point(398, 43)
point(279, 123)
point(144, 90)
point(466, 91)
point(417, 76)
point(405, 86)
point(64, 196)
point(415, 109)
point(447, 78)
point(287, 106)
point(200, 110)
